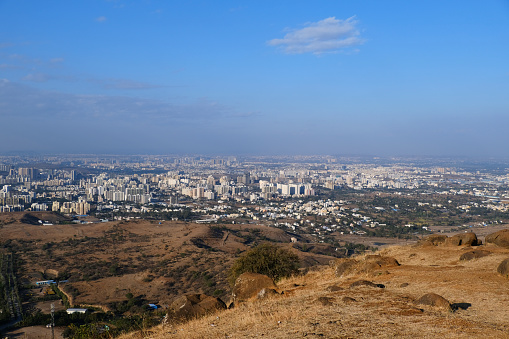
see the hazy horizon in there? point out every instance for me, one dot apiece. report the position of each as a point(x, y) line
point(365, 78)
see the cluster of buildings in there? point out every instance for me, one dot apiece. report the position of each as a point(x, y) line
point(14, 200)
point(79, 184)
point(81, 207)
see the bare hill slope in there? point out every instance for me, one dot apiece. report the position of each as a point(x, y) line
point(320, 304)
point(157, 260)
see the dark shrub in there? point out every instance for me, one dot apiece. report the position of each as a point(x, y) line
point(268, 259)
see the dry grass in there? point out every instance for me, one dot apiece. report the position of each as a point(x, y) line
point(308, 309)
point(157, 260)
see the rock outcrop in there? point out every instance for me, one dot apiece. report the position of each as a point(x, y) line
point(343, 266)
point(334, 288)
point(462, 239)
point(366, 283)
point(433, 240)
point(500, 238)
point(248, 286)
point(434, 300)
point(265, 292)
point(195, 305)
point(503, 268)
point(475, 254)
point(370, 264)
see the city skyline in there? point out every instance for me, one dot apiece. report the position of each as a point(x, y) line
point(293, 77)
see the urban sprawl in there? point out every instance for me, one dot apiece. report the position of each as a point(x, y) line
point(315, 194)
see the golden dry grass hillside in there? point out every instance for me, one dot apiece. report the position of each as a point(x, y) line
point(320, 304)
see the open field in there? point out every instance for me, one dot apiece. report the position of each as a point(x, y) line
point(35, 332)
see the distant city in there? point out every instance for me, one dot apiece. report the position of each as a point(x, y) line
point(314, 194)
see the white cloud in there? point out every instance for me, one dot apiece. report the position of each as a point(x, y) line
point(37, 77)
point(325, 36)
point(101, 19)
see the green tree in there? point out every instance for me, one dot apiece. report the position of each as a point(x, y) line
point(268, 259)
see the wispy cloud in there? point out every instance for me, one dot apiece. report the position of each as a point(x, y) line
point(246, 115)
point(24, 59)
point(44, 77)
point(329, 35)
point(25, 101)
point(113, 83)
point(37, 77)
point(101, 19)
point(9, 66)
point(56, 60)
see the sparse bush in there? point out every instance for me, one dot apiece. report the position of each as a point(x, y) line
point(218, 292)
point(268, 259)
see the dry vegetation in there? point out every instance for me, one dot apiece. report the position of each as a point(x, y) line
point(161, 261)
point(319, 304)
point(156, 260)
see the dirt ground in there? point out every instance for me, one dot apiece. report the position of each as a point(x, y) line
point(35, 332)
point(45, 306)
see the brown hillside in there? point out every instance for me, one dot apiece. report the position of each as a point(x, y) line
point(156, 260)
point(320, 304)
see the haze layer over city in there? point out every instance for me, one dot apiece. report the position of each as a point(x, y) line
point(255, 77)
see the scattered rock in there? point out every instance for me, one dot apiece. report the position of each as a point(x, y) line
point(434, 300)
point(433, 240)
point(348, 300)
point(375, 262)
point(404, 285)
point(195, 305)
point(265, 292)
point(326, 301)
point(500, 238)
point(370, 264)
point(365, 283)
point(503, 268)
point(344, 266)
point(462, 239)
point(475, 254)
point(248, 285)
point(334, 288)
point(460, 306)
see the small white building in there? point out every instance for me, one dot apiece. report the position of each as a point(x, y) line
point(76, 310)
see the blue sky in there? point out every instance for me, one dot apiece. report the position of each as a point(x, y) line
point(255, 77)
